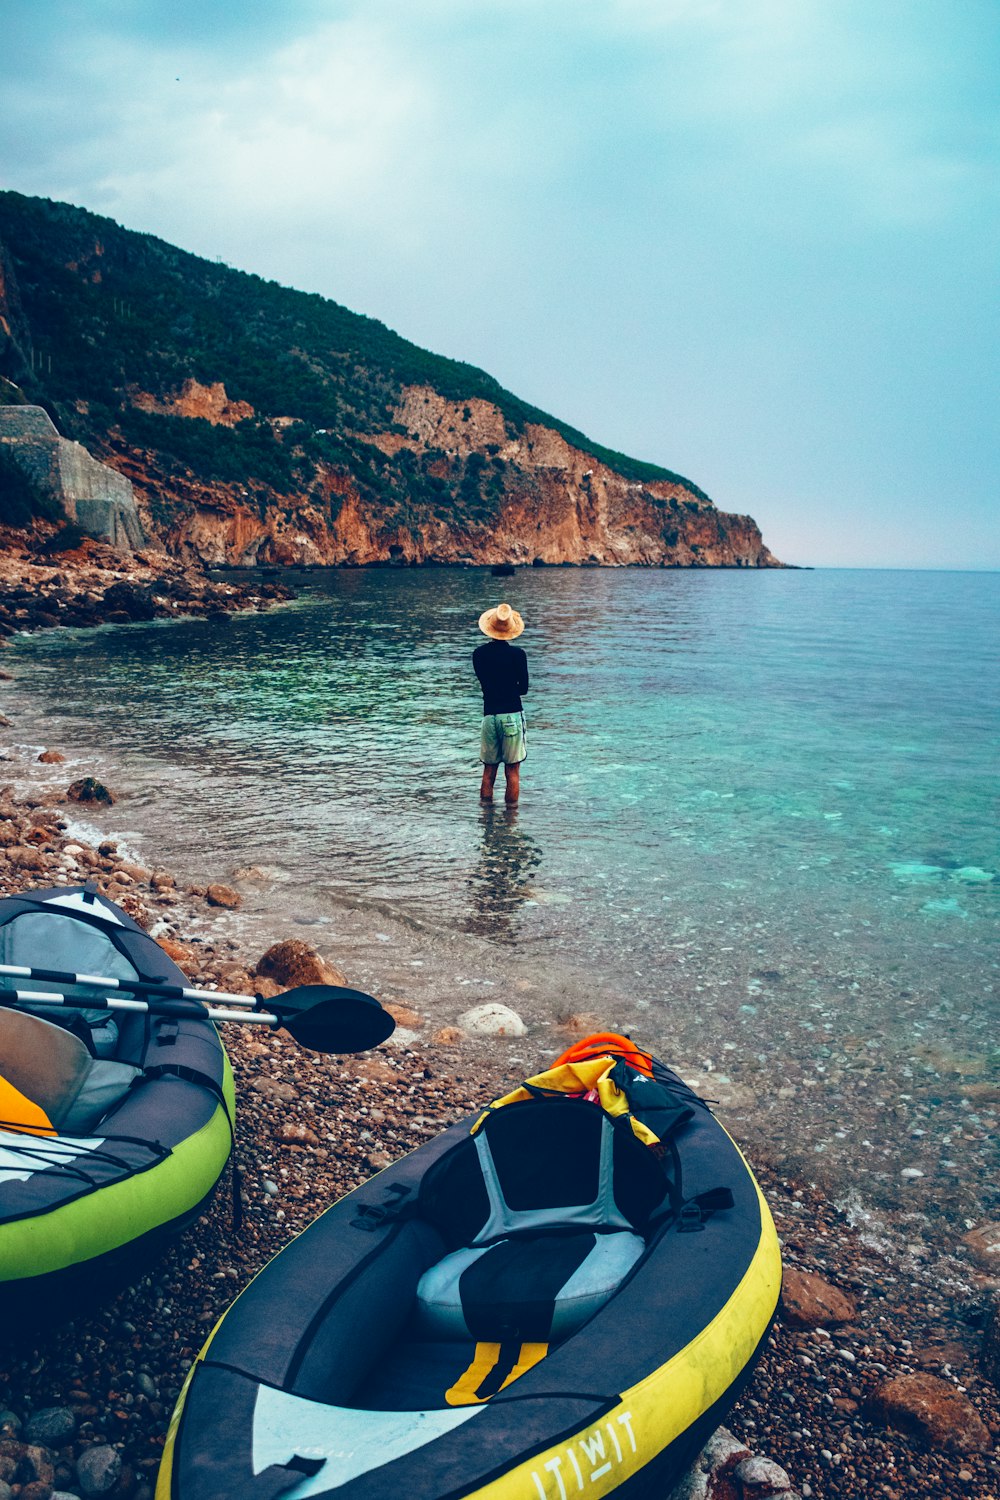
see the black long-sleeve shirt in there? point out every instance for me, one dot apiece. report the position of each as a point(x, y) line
point(502, 670)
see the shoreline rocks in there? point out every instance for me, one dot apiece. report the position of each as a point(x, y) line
point(92, 584)
point(311, 1127)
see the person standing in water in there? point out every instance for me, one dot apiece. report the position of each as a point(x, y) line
point(502, 670)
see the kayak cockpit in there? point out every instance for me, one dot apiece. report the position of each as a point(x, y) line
point(521, 1233)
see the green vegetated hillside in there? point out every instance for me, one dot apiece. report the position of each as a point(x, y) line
point(96, 312)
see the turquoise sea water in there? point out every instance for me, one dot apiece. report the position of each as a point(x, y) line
point(761, 807)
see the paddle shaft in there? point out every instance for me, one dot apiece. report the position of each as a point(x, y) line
point(180, 1009)
point(130, 986)
point(325, 1017)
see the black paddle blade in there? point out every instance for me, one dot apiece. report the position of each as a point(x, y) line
point(328, 1018)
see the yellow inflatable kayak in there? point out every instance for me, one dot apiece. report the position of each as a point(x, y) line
point(560, 1297)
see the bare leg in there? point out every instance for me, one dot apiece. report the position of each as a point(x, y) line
point(512, 789)
point(486, 789)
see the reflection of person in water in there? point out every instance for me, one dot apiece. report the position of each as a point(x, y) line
point(499, 883)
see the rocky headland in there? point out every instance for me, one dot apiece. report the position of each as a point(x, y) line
point(880, 1380)
point(248, 423)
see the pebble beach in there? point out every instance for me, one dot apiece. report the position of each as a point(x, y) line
point(881, 1376)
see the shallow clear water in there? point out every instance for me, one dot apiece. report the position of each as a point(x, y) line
point(758, 807)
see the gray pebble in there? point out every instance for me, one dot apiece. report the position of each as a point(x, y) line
point(6, 1492)
point(146, 1386)
point(762, 1476)
point(10, 1424)
point(98, 1469)
point(52, 1426)
point(56, 1495)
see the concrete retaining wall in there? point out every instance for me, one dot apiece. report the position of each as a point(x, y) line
point(96, 497)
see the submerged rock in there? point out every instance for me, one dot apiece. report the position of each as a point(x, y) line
point(89, 789)
point(990, 1357)
point(492, 1019)
point(984, 1245)
point(223, 895)
point(405, 1016)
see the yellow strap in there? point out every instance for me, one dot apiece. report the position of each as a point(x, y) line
point(531, 1354)
point(18, 1112)
point(463, 1392)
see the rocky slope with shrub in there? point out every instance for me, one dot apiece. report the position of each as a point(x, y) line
point(260, 424)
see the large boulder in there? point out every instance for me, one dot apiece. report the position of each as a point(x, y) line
point(807, 1301)
point(223, 895)
point(132, 599)
point(89, 789)
point(291, 963)
point(931, 1410)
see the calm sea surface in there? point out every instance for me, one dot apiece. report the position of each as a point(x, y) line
point(759, 808)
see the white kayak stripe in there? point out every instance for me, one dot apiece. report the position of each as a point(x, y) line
point(351, 1442)
point(22, 1155)
point(76, 902)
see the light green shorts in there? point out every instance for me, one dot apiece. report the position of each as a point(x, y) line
point(504, 738)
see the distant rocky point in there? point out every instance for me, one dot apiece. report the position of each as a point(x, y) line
point(247, 423)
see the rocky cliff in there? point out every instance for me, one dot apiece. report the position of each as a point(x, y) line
point(258, 424)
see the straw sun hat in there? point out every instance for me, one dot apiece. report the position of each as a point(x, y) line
point(502, 623)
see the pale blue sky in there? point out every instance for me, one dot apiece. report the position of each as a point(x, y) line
point(753, 240)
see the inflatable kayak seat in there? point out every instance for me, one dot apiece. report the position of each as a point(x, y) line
point(53, 1069)
point(551, 1197)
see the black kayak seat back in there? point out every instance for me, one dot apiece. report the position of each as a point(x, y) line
point(543, 1162)
point(545, 1206)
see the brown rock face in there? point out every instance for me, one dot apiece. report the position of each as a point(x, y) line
point(807, 1301)
point(297, 434)
point(292, 963)
point(209, 402)
point(551, 503)
point(932, 1411)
